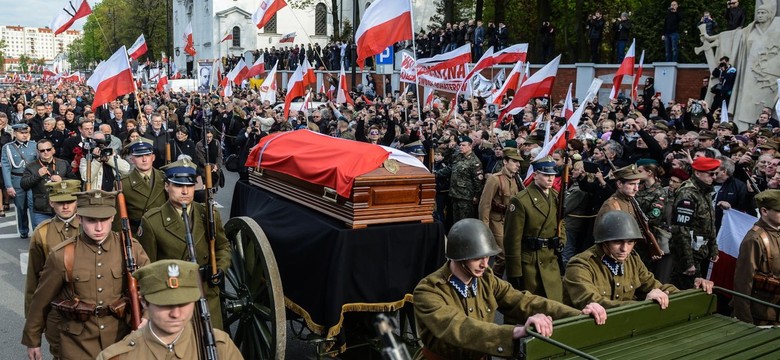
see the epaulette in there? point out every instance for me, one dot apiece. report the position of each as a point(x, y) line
point(63, 244)
point(43, 223)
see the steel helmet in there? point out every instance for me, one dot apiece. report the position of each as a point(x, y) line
point(616, 225)
point(470, 239)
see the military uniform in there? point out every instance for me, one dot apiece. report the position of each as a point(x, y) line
point(98, 281)
point(693, 231)
point(142, 345)
point(14, 158)
point(466, 178)
point(141, 195)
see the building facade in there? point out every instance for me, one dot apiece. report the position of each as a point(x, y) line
point(36, 43)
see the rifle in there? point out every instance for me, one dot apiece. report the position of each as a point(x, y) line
point(211, 229)
point(87, 148)
point(655, 250)
point(564, 185)
point(207, 342)
point(167, 147)
point(750, 181)
point(127, 241)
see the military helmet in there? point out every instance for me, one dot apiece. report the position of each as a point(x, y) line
point(470, 239)
point(616, 225)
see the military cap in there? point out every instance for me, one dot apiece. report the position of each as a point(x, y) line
point(534, 139)
point(769, 199)
point(512, 153)
point(707, 135)
point(630, 172)
point(509, 144)
point(444, 139)
point(180, 172)
point(464, 139)
point(29, 112)
point(169, 282)
point(415, 148)
point(62, 191)
point(769, 145)
point(659, 125)
point(97, 204)
point(545, 165)
point(646, 161)
point(21, 127)
point(141, 146)
point(765, 133)
point(680, 174)
point(705, 164)
point(728, 125)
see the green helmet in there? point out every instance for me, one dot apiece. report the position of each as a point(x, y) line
point(470, 239)
point(616, 225)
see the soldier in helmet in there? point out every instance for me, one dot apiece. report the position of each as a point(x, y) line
point(455, 306)
point(596, 274)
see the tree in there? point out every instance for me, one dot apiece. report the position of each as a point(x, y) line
point(3, 45)
point(119, 22)
point(24, 62)
point(334, 12)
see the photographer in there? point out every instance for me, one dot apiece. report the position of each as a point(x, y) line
point(709, 22)
point(247, 139)
point(727, 75)
point(735, 15)
point(102, 167)
point(622, 30)
point(595, 30)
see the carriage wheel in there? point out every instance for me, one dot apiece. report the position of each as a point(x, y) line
point(253, 300)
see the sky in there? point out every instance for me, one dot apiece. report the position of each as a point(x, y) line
point(35, 13)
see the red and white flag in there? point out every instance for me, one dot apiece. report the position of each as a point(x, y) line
point(724, 112)
point(162, 84)
point(189, 44)
point(228, 36)
point(512, 82)
point(331, 91)
point(637, 77)
point(266, 11)
point(306, 103)
point(308, 73)
point(227, 91)
point(268, 88)
point(295, 89)
point(428, 97)
point(568, 106)
point(342, 94)
point(258, 68)
point(626, 68)
point(512, 54)
point(461, 55)
point(69, 14)
point(384, 23)
point(538, 85)
point(74, 78)
point(288, 38)
point(163, 57)
point(138, 48)
point(239, 72)
point(734, 226)
point(112, 78)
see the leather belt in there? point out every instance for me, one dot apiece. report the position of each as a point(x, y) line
point(101, 311)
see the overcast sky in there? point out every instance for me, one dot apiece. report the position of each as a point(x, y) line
point(35, 13)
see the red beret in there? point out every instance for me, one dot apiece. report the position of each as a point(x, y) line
point(680, 174)
point(705, 164)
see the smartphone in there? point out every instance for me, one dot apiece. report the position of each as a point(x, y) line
point(590, 167)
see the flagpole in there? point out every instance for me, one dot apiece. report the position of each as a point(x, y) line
point(416, 77)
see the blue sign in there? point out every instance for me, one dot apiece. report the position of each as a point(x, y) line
point(386, 57)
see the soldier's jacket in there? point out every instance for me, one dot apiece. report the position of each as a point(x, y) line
point(98, 279)
point(693, 216)
point(589, 280)
point(618, 201)
point(141, 345)
point(653, 201)
point(752, 260)
point(499, 188)
point(140, 197)
point(455, 327)
point(531, 213)
point(466, 177)
point(14, 158)
point(161, 233)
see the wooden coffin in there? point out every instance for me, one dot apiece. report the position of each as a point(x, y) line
point(377, 197)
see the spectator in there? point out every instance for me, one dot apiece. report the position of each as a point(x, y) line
point(709, 23)
point(595, 30)
point(547, 40)
point(735, 15)
point(671, 32)
point(622, 30)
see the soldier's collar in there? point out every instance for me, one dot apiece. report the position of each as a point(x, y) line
point(616, 268)
point(464, 290)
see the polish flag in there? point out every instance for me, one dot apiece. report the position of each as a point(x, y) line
point(626, 68)
point(384, 23)
point(538, 85)
point(322, 88)
point(163, 57)
point(68, 15)
point(189, 45)
point(461, 55)
point(227, 91)
point(295, 89)
point(268, 88)
point(342, 94)
point(637, 76)
point(428, 97)
point(308, 73)
point(74, 78)
point(228, 36)
point(451, 112)
point(568, 106)
point(112, 78)
point(239, 72)
point(512, 83)
point(735, 225)
point(162, 84)
point(330, 93)
point(266, 11)
point(138, 48)
point(306, 103)
point(258, 68)
point(288, 38)
point(512, 54)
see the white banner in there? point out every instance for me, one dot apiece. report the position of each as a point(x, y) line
point(447, 80)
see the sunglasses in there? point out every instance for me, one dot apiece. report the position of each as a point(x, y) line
point(46, 150)
point(373, 133)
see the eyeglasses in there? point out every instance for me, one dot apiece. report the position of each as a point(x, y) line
point(373, 133)
point(45, 150)
point(713, 173)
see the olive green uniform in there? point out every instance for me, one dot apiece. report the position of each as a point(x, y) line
point(532, 215)
point(466, 178)
point(753, 260)
point(499, 188)
point(455, 327)
point(142, 345)
point(693, 231)
point(141, 196)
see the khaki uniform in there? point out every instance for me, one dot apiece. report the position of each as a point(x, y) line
point(589, 280)
point(161, 233)
point(455, 327)
point(47, 235)
point(532, 214)
point(693, 231)
point(618, 201)
point(98, 279)
point(140, 197)
point(752, 260)
point(499, 188)
point(141, 345)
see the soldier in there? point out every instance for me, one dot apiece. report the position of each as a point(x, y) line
point(612, 261)
point(50, 233)
point(627, 184)
point(693, 242)
point(499, 188)
point(15, 157)
point(38, 173)
point(530, 239)
point(652, 199)
point(449, 331)
point(757, 273)
point(169, 289)
point(162, 232)
point(144, 187)
point(465, 180)
point(89, 293)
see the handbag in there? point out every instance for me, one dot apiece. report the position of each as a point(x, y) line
point(717, 88)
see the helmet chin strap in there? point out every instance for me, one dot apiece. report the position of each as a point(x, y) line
point(467, 270)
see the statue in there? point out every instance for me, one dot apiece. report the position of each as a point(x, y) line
point(753, 51)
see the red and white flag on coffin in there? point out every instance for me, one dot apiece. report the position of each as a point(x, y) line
point(228, 36)
point(189, 44)
point(342, 94)
point(461, 55)
point(287, 38)
point(626, 68)
point(72, 11)
point(239, 72)
point(267, 91)
point(637, 76)
point(295, 89)
point(138, 48)
point(384, 23)
point(308, 73)
point(258, 68)
point(734, 226)
point(512, 82)
point(162, 84)
point(266, 11)
point(112, 78)
point(512, 54)
point(428, 97)
point(538, 85)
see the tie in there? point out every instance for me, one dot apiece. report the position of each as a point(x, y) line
point(146, 179)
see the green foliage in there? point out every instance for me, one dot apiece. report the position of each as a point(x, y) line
point(24, 62)
point(3, 45)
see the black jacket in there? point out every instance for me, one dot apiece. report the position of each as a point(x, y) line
point(734, 191)
point(32, 180)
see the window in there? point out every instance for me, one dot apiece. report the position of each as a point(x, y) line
point(320, 20)
point(270, 26)
point(236, 36)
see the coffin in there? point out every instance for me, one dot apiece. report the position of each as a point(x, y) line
point(357, 183)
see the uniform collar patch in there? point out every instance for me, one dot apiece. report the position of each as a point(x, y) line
point(615, 267)
point(464, 290)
